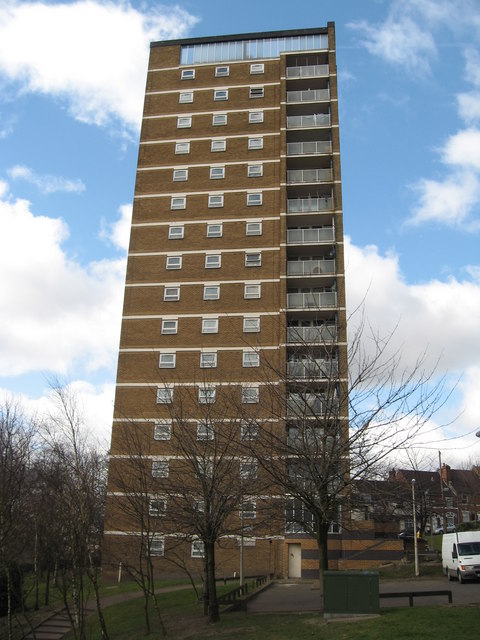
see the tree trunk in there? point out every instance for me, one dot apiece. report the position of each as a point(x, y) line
point(213, 611)
point(47, 586)
point(322, 543)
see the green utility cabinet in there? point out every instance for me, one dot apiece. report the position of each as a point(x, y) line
point(354, 592)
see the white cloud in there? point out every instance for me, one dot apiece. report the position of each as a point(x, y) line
point(90, 53)
point(118, 233)
point(54, 313)
point(46, 183)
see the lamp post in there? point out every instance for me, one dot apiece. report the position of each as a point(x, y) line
point(415, 543)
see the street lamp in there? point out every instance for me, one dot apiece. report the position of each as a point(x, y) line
point(415, 542)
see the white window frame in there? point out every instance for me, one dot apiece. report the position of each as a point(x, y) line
point(252, 291)
point(216, 200)
point(157, 546)
point(214, 230)
point(180, 175)
point(157, 507)
point(253, 229)
point(162, 430)
point(217, 173)
point(205, 431)
point(167, 360)
point(184, 122)
point(222, 72)
point(171, 294)
point(257, 92)
point(255, 142)
point(248, 513)
point(251, 324)
point(176, 232)
point(248, 469)
point(250, 359)
point(254, 199)
point(188, 74)
point(218, 145)
point(253, 259)
point(255, 170)
point(185, 97)
point(248, 431)
point(169, 327)
point(164, 395)
point(213, 261)
point(256, 117)
point(182, 148)
point(220, 94)
point(173, 262)
point(209, 296)
point(250, 395)
point(219, 119)
point(160, 468)
point(198, 549)
point(209, 325)
point(178, 202)
point(256, 68)
point(207, 394)
point(208, 360)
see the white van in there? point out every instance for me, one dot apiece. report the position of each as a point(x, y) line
point(461, 555)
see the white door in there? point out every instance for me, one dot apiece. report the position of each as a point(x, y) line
point(294, 560)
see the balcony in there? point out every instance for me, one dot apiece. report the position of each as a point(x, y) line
point(308, 176)
point(309, 148)
point(324, 299)
point(311, 236)
point(308, 71)
point(309, 205)
point(310, 267)
point(315, 368)
point(311, 95)
point(324, 334)
point(308, 404)
point(308, 122)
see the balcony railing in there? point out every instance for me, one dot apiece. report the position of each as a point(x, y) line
point(306, 205)
point(310, 236)
point(323, 334)
point(312, 300)
point(309, 404)
point(311, 95)
point(299, 176)
point(317, 368)
point(308, 71)
point(307, 122)
point(310, 267)
point(309, 148)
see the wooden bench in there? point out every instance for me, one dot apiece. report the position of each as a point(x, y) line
point(418, 594)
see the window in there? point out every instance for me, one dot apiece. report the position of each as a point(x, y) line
point(198, 549)
point(214, 230)
point(179, 175)
point(175, 233)
point(199, 506)
point(185, 96)
point(184, 122)
point(166, 361)
point(255, 143)
point(252, 291)
point(213, 261)
point(171, 294)
point(157, 506)
point(169, 327)
point(253, 229)
point(248, 431)
point(255, 117)
point(254, 199)
point(188, 74)
point(174, 262)
point(217, 173)
point(250, 395)
point(211, 292)
point(215, 201)
point(248, 469)
point(253, 259)
point(207, 395)
point(219, 119)
point(255, 170)
point(257, 67)
point(257, 92)
point(220, 94)
point(162, 430)
point(157, 546)
point(208, 360)
point(178, 202)
point(182, 147)
point(160, 468)
point(248, 510)
point(164, 395)
point(218, 145)
point(251, 325)
point(221, 72)
point(205, 431)
point(209, 325)
point(251, 359)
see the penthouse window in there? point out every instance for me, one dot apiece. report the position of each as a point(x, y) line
point(184, 122)
point(219, 119)
point(220, 94)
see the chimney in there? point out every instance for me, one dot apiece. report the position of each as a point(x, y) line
point(392, 475)
point(446, 473)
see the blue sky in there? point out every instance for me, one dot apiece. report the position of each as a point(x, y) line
point(72, 76)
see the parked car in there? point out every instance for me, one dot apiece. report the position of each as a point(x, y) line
point(406, 534)
point(439, 530)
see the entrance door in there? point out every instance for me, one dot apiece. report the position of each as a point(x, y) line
point(294, 560)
